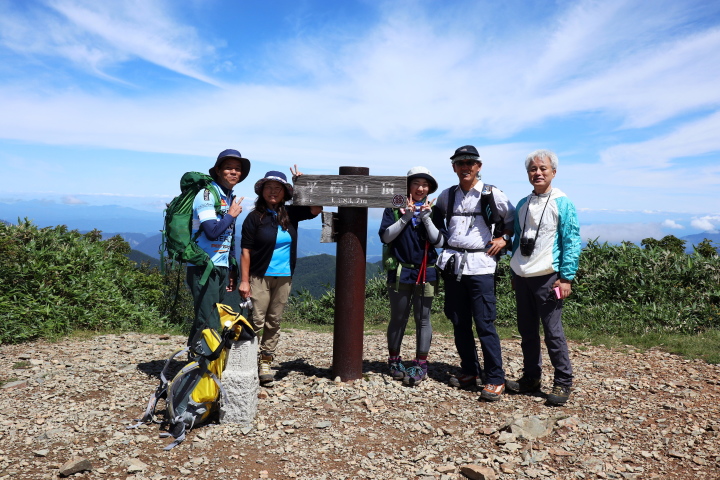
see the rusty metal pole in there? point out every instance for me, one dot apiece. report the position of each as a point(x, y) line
point(350, 287)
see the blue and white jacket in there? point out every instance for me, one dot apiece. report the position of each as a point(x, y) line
point(557, 248)
point(221, 248)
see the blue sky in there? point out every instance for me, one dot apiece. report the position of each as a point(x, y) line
point(110, 102)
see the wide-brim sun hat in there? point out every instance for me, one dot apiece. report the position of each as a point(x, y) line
point(231, 154)
point(422, 172)
point(274, 176)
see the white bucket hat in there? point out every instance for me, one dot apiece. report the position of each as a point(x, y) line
point(422, 172)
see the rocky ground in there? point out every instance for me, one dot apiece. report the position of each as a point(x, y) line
point(631, 415)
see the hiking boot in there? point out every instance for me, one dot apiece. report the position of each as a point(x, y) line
point(463, 381)
point(523, 385)
point(492, 393)
point(265, 375)
point(397, 369)
point(416, 373)
point(559, 395)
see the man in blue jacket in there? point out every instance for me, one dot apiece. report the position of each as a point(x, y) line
point(546, 251)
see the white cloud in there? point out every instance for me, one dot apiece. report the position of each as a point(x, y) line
point(618, 232)
point(406, 75)
point(694, 138)
point(99, 35)
point(71, 200)
point(708, 223)
point(672, 224)
point(400, 92)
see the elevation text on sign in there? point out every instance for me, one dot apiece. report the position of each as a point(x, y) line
point(350, 191)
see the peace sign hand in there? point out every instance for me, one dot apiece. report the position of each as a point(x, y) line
point(427, 205)
point(296, 173)
point(236, 207)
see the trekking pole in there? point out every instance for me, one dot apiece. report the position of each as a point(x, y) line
point(423, 266)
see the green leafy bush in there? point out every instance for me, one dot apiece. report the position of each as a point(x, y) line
point(304, 308)
point(53, 281)
point(626, 289)
point(619, 289)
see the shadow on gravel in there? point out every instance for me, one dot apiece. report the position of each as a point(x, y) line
point(301, 366)
point(154, 367)
point(438, 371)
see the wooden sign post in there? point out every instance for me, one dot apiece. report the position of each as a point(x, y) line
point(350, 190)
point(353, 192)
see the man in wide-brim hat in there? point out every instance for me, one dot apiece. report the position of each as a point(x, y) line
point(215, 209)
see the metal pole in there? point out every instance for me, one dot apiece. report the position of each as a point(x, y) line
point(350, 287)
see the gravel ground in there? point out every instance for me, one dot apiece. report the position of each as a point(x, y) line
point(631, 415)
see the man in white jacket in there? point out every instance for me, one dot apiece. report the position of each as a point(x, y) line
point(546, 252)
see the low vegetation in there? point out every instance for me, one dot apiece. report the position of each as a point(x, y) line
point(624, 294)
point(57, 282)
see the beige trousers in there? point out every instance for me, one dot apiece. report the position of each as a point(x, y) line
point(269, 296)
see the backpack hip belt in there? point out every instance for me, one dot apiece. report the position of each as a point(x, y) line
point(463, 259)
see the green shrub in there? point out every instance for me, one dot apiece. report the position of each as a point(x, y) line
point(54, 281)
point(304, 308)
point(619, 289)
point(626, 289)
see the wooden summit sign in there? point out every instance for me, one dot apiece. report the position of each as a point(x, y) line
point(361, 191)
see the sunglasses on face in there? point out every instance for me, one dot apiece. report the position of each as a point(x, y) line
point(465, 163)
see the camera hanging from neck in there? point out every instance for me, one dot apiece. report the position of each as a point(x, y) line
point(526, 245)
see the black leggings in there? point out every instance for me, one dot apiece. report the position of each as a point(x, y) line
point(399, 315)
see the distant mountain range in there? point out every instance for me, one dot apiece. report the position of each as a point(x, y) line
point(108, 218)
point(141, 228)
point(317, 272)
point(699, 237)
point(308, 244)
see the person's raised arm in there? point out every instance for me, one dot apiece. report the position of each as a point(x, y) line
point(315, 209)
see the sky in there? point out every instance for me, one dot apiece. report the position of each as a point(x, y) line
point(109, 103)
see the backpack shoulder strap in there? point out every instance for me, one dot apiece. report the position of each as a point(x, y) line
point(451, 204)
point(489, 208)
point(160, 392)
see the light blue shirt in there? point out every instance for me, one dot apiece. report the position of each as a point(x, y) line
point(280, 261)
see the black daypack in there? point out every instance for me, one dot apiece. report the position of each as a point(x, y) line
point(177, 238)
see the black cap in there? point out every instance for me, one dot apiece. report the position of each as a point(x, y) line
point(465, 150)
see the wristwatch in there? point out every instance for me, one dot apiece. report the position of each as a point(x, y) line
point(506, 237)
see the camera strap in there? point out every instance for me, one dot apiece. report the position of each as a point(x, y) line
point(522, 235)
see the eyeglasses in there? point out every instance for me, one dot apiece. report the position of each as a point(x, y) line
point(465, 163)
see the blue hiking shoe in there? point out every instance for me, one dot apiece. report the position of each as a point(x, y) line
point(416, 373)
point(397, 369)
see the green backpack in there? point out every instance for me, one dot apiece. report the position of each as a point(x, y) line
point(389, 260)
point(177, 238)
